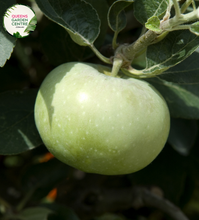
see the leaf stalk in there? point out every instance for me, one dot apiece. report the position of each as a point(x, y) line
point(99, 55)
point(177, 8)
point(185, 5)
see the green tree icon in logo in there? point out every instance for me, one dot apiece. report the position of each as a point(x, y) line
point(31, 25)
point(17, 35)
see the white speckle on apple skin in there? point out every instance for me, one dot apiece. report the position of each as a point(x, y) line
point(82, 135)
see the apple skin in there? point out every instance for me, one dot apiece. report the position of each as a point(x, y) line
point(98, 123)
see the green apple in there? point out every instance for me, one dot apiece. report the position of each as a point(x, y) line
point(98, 123)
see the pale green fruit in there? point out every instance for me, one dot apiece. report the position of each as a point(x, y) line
point(98, 123)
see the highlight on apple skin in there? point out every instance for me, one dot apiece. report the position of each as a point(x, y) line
point(98, 123)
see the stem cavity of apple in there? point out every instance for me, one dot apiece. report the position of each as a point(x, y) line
point(124, 54)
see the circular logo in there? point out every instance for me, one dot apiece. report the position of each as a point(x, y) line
point(19, 20)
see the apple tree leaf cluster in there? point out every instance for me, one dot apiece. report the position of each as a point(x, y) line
point(144, 10)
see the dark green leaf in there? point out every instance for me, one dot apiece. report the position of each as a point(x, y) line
point(78, 17)
point(185, 73)
point(101, 7)
point(61, 212)
point(116, 15)
point(182, 100)
point(173, 49)
point(7, 42)
point(182, 135)
point(65, 49)
point(43, 177)
point(36, 213)
point(18, 132)
point(144, 9)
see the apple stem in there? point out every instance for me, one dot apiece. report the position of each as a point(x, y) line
point(117, 64)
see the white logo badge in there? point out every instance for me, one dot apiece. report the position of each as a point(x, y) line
point(19, 20)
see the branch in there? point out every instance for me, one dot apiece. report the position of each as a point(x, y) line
point(143, 197)
point(96, 201)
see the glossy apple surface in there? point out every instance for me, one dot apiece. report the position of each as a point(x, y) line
point(100, 124)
